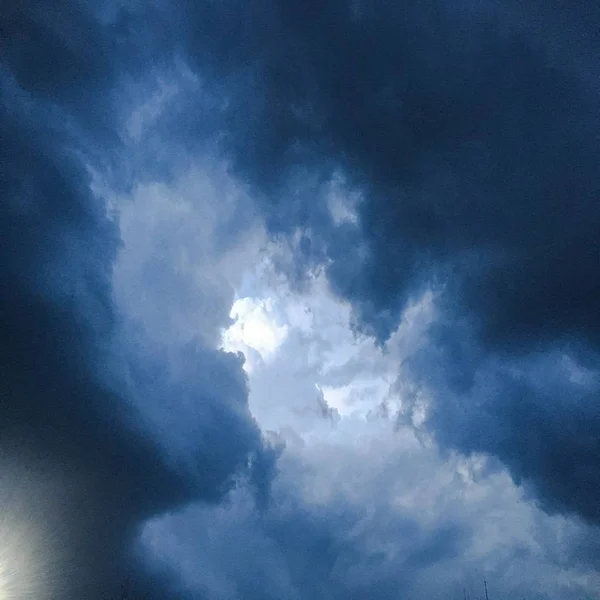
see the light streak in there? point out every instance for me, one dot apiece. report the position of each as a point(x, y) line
point(30, 549)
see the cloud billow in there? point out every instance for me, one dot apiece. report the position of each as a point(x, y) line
point(471, 134)
point(66, 410)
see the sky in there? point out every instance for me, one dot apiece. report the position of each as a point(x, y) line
point(299, 300)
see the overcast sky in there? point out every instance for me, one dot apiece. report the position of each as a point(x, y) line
point(300, 300)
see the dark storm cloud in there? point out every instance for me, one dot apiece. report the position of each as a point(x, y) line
point(63, 411)
point(539, 414)
point(473, 142)
point(471, 131)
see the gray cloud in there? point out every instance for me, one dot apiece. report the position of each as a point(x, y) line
point(470, 134)
point(538, 414)
point(348, 520)
point(72, 377)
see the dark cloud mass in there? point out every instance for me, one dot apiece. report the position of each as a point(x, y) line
point(470, 131)
point(472, 138)
point(64, 412)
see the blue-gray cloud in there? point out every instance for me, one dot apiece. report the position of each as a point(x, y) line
point(366, 537)
point(471, 134)
point(77, 378)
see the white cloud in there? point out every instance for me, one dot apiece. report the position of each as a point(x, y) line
point(300, 347)
point(176, 273)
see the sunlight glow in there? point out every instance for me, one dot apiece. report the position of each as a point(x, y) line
point(31, 550)
point(17, 580)
point(255, 328)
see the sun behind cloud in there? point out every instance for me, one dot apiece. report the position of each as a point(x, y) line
point(255, 327)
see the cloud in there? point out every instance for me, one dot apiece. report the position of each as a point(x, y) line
point(468, 135)
point(83, 386)
point(435, 163)
point(363, 505)
point(177, 268)
point(538, 414)
point(254, 330)
point(471, 145)
point(359, 519)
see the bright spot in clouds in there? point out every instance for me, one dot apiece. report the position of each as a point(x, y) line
point(255, 328)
